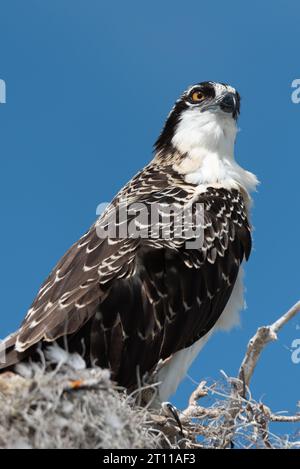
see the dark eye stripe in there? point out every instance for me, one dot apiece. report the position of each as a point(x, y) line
point(208, 90)
point(204, 88)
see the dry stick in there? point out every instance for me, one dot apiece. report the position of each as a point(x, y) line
point(194, 410)
point(285, 418)
point(279, 418)
point(257, 343)
point(263, 336)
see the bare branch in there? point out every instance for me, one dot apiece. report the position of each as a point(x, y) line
point(257, 343)
point(285, 418)
point(237, 414)
point(200, 391)
point(277, 325)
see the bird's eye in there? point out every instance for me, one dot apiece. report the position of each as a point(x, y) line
point(197, 96)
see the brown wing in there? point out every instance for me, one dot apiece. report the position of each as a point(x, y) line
point(136, 300)
point(175, 296)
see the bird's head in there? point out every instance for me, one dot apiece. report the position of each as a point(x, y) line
point(204, 116)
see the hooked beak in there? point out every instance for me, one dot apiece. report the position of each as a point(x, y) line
point(227, 102)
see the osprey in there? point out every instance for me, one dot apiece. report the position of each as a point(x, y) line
point(155, 295)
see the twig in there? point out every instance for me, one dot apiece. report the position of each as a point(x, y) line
point(194, 410)
point(200, 391)
point(257, 343)
point(239, 387)
point(285, 418)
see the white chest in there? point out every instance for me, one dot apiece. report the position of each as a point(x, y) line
point(206, 143)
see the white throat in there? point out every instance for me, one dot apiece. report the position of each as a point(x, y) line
point(207, 141)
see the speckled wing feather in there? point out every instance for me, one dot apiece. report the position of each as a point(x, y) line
point(133, 301)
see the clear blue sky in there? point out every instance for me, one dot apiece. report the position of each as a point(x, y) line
point(89, 84)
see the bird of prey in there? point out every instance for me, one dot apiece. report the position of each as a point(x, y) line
point(155, 294)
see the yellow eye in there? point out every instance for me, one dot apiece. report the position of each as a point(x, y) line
point(197, 96)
